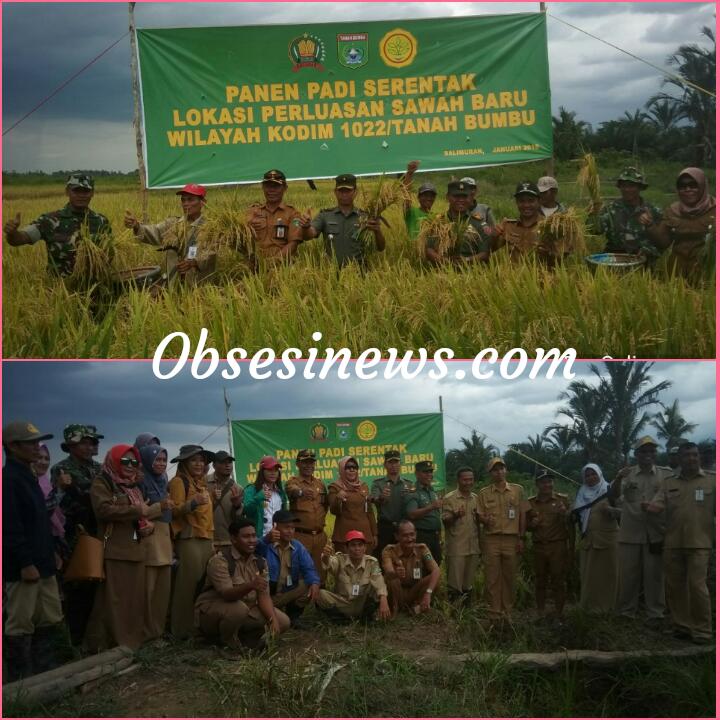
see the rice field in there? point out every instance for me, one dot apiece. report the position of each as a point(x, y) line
point(399, 302)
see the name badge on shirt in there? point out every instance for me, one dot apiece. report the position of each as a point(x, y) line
point(192, 252)
point(288, 580)
point(135, 532)
point(417, 575)
point(355, 590)
point(511, 513)
point(699, 495)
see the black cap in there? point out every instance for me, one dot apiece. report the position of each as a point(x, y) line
point(545, 475)
point(274, 176)
point(284, 516)
point(223, 455)
point(346, 181)
point(305, 454)
point(526, 187)
point(458, 187)
point(392, 455)
point(424, 466)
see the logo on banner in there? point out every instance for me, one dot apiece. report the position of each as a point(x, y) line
point(367, 430)
point(352, 49)
point(307, 51)
point(398, 48)
point(343, 431)
point(319, 432)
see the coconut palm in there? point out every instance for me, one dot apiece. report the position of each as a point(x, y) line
point(587, 410)
point(671, 426)
point(569, 134)
point(474, 453)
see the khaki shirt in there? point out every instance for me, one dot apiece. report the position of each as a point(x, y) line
point(602, 528)
point(310, 512)
point(636, 526)
point(690, 507)
point(224, 512)
point(418, 563)
point(366, 575)
point(522, 241)
point(553, 520)
point(218, 578)
point(266, 244)
point(504, 507)
point(462, 535)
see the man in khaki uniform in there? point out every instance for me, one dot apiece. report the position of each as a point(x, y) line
point(688, 499)
point(235, 604)
point(641, 535)
point(389, 494)
point(275, 224)
point(502, 511)
point(410, 571)
point(226, 497)
point(553, 541)
point(462, 537)
point(309, 504)
point(359, 584)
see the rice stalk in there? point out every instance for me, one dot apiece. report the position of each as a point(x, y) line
point(563, 232)
point(588, 179)
point(444, 234)
point(383, 193)
point(93, 260)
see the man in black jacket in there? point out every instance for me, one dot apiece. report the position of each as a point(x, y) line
point(33, 601)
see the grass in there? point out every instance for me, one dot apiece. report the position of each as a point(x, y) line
point(399, 302)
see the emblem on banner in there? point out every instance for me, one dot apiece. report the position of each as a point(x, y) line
point(319, 432)
point(352, 49)
point(398, 48)
point(343, 431)
point(367, 430)
point(307, 51)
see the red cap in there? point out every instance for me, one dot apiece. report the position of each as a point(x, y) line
point(193, 189)
point(354, 535)
point(269, 463)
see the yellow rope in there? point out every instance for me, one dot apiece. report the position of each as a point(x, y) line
point(681, 79)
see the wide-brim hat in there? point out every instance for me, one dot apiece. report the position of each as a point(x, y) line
point(188, 451)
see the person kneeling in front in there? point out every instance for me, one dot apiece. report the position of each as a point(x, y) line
point(235, 604)
point(358, 580)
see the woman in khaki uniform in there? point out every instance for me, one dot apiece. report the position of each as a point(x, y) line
point(158, 546)
point(124, 522)
point(193, 529)
point(688, 226)
point(349, 501)
point(599, 530)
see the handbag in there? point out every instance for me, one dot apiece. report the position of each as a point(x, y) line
point(87, 559)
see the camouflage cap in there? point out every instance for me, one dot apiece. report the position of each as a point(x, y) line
point(274, 176)
point(546, 182)
point(22, 431)
point(469, 181)
point(424, 466)
point(632, 175)
point(81, 180)
point(75, 433)
point(644, 440)
point(392, 455)
point(305, 454)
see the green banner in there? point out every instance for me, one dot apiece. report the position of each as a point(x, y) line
point(225, 104)
point(418, 437)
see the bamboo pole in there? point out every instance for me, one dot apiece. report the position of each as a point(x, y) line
point(137, 121)
point(550, 162)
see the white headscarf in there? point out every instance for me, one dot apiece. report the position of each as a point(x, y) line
point(588, 494)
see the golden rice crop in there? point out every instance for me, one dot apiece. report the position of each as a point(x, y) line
point(445, 234)
point(375, 200)
point(588, 179)
point(565, 230)
point(93, 261)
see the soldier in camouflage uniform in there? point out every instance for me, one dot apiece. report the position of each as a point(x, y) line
point(474, 232)
point(71, 479)
point(181, 238)
point(624, 222)
point(60, 229)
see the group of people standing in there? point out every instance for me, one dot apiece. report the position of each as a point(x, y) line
point(247, 563)
point(686, 228)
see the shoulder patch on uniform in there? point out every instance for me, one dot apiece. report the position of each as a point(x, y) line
point(534, 497)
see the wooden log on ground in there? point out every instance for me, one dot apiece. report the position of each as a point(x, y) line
point(54, 683)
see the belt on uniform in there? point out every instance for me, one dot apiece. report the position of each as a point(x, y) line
point(308, 532)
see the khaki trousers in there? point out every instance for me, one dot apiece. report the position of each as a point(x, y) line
point(157, 599)
point(231, 621)
point(687, 592)
point(351, 608)
point(640, 570)
point(461, 571)
point(32, 605)
point(598, 579)
point(193, 555)
point(551, 566)
point(298, 596)
point(406, 596)
point(314, 544)
point(500, 560)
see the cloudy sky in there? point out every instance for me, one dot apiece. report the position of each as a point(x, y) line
point(124, 399)
point(89, 124)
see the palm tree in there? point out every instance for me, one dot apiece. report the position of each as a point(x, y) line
point(569, 134)
point(627, 389)
point(662, 114)
point(671, 425)
point(474, 453)
point(587, 410)
point(560, 438)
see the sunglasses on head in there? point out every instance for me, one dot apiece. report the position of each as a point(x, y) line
point(129, 462)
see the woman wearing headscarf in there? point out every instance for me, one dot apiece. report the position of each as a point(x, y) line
point(146, 439)
point(124, 523)
point(265, 496)
point(349, 501)
point(598, 522)
point(158, 546)
point(688, 226)
point(192, 529)
point(52, 501)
